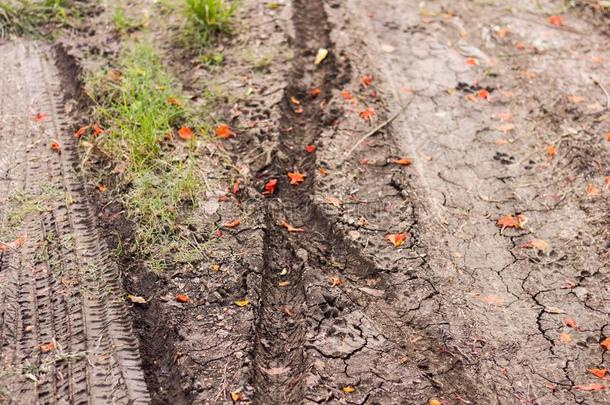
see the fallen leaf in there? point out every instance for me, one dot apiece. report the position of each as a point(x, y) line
point(512, 221)
point(5, 247)
point(483, 94)
point(335, 281)
point(295, 100)
point(270, 187)
point(136, 299)
point(289, 227)
point(55, 146)
point(366, 80)
point(185, 133)
point(402, 161)
point(299, 110)
point(607, 182)
point(348, 389)
point(332, 201)
point(242, 303)
point(565, 337)
point(556, 20)
point(396, 239)
point(502, 32)
point(40, 117)
point(434, 401)
point(591, 387)
point(606, 343)
point(315, 92)
point(520, 46)
point(236, 396)
point(47, 347)
point(321, 55)
point(223, 131)
point(174, 101)
point(310, 148)
point(598, 372)
point(372, 291)
point(232, 224)
point(296, 178)
point(102, 188)
point(97, 130)
point(283, 284)
point(322, 171)
point(576, 99)
point(592, 190)
point(368, 113)
point(506, 127)
point(215, 267)
point(538, 244)
point(346, 95)
point(182, 298)
point(472, 62)
point(81, 131)
point(235, 187)
point(551, 151)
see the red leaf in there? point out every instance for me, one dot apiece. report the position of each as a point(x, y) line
point(606, 343)
point(40, 117)
point(556, 20)
point(367, 114)
point(510, 221)
point(223, 131)
point(81, 131)
point(472, 62)
point(270, 187)
point(182, 298)
point(289, 227)
point(97, 130)
point(366, 80)
point(396, 239)
point(315, 92)
point(310, 148)
point(236, 187)
point(346, 95)
point(55, 146)
point(47, 347)
point(483, 94)
point(571, 323)
point(185, 133)
point(598, 372)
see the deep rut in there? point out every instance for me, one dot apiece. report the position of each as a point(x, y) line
point(65, 336)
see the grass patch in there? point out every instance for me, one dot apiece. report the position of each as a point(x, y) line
point(21, 17)
point(140, 106)
point(123, 24)
point(206, 19)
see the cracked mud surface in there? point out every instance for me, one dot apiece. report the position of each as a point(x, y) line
point(462, 312)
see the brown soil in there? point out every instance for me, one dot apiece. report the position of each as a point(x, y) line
point(462, 312)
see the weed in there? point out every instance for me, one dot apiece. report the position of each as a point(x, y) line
point(124, 24)
point(207, 18)
point(27, 16)
point(140, 113)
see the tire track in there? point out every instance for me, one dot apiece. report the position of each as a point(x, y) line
point(61, 290)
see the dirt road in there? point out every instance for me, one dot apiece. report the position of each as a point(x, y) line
point(420, 217)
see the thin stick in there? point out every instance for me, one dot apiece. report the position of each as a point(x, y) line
point(605, 92)
point(374, 130)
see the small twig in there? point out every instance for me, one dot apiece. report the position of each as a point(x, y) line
point(605, 92)
point(375, 130)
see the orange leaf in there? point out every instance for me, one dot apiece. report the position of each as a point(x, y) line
point(174, 101)
point(502, 32)
point(576, 99)
point(185, 133)
point(565, 337)
point(606, 343)
point(592, 190)
point(520, 46)
point(551, 151)
point(335, 281)
point(483, 94)
point(5, 247)
point(366, 80)
point(295, 100)
point(607, 182)
point(591, 387)
point(102, 188)
point(536, 244)
point(397, 239)
point(299, 110)
point(235, 187)
point(403, 161)
point(40, 117)
point(346, 95)
point(310, 148)
point(224, 131)
point(315, 92)
point(510, 221)
point(47, 347)
point(598, 372)
point(367, 114)
point(81, 131)
point(270, 187)
point(55, 146)
point(97, 130)
point(289, 227)
point(570, 323)
point(232, 224)
point(472, 62)
point(182, 298)
point(296, 177)
point(556, 20)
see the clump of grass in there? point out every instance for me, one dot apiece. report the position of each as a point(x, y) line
point(27, 16)
point(124, 24)
point(139, 106)
point(207, 18)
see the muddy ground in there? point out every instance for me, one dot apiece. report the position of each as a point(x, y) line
point(432, 120)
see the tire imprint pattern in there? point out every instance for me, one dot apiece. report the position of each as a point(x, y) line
point(61, 287)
